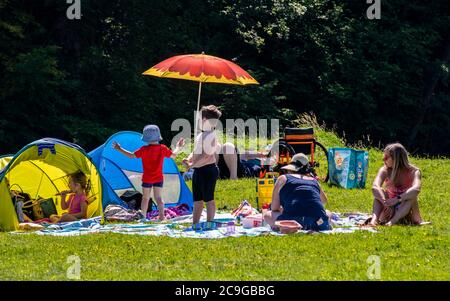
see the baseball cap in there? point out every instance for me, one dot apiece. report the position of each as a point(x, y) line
point(298, 161)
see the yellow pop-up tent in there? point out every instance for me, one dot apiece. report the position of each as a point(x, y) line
point(41, 169)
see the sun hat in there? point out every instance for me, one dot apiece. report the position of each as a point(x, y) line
point(151, 133)
point(297, 162)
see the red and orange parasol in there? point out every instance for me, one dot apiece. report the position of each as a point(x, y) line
point(203, 69)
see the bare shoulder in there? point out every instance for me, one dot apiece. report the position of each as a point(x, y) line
point(199, 136)
point(416, 172)
point(381, 176)
point(281, 179)
point(383, 171)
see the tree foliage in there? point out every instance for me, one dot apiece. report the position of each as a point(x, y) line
point(81, 80)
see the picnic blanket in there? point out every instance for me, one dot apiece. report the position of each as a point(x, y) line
point(222, 227)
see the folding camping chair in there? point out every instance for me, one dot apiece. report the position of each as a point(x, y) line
point(301, 140)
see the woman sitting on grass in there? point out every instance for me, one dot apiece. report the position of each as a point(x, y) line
point(298, 196)
point(398, 200)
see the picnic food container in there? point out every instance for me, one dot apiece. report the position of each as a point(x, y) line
point(253, 221)
point(287, 227)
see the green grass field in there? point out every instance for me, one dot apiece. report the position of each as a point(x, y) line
point(405, 253)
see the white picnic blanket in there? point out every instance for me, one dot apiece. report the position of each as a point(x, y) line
point(180, 227)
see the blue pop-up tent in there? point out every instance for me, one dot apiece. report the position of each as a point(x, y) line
point(120, 173)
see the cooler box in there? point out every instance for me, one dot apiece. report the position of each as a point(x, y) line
point(264, 189)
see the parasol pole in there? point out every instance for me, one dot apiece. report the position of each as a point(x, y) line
point(198, 109)
point(198, 103)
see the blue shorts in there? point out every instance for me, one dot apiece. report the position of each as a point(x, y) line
point(150, 185)
point(309, 223)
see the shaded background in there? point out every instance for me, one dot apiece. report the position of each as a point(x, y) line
point(80, 80)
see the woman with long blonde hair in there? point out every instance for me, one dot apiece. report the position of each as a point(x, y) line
point(396, 189)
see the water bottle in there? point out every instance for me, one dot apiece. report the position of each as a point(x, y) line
point(19, 211)
point(230, 228)
point(238, 220)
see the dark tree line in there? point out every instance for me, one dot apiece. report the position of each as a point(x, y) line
point(80, 80)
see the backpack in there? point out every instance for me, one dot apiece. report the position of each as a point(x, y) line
point(39, 209)
point(133, 199)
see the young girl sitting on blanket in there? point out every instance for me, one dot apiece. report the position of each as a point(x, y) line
point(76, 201)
